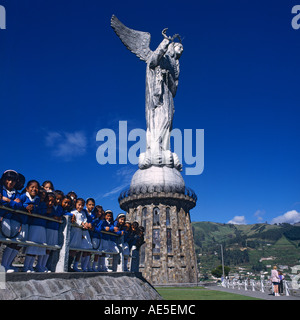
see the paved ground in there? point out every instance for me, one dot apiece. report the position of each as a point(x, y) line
point(255, 294)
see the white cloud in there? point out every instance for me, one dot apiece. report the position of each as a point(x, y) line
point(66, 145)
point(115, 190)
point(238, 220)
point(289, 217)
point(258, 214)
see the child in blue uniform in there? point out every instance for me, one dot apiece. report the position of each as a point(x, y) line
point(79, 237)
point(126, 250)
point(107, 245)
point(56, 212)
point(10, 222)
point(90, 214)
point(9, 195)
point(48, 186)
point(106, 225)
point(37, 230)
point(119, 229)
point(99, 259)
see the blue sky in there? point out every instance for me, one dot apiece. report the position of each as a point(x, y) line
point(64, 75)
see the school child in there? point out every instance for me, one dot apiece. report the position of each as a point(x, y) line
point(79, 236)
point(119, 224)
point(42, 195)
point(140, 241)
point(10, 196)
point(134, 249)
point(119, 229)
point(10, 222)
point(99, 259)
point(90, 213)
point(73, 197)
point(126, 250)
point(66, 204)
point(47, 200)
point(59, 196)
point(37, 226)
point(48, 186)
point(20, 182)
point(55, 211)
point(106, 225)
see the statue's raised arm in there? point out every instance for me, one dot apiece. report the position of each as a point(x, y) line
point(161, 86)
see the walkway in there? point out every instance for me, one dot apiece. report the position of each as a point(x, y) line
point(256, 294)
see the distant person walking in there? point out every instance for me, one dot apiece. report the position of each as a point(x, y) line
point(275, 280)
point(280, 285)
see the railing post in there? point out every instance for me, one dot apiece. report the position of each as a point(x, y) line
point(287, 291)
point(64, 240)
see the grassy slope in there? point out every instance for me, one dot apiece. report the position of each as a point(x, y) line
point(199, 293)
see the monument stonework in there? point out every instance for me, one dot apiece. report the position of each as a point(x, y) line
point(158, 198)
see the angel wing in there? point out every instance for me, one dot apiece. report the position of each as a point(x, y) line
point(135, 41)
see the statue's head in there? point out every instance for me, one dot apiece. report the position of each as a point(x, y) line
point(175, 50)
point(178, 49)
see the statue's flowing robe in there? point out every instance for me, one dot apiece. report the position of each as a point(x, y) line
point(161, 85)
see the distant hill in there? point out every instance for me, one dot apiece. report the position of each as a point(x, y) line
point(254, 247)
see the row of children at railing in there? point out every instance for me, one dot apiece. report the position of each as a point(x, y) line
point(90, 224)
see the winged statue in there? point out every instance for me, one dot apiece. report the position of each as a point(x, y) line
point(162, 73)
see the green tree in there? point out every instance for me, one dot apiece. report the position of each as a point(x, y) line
point(218, 272)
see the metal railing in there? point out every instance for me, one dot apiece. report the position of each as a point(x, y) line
point(65, 225)
point(255, 285)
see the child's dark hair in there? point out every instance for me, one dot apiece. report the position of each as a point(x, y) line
point(46, 182)
point(30, 182)
point(109, 212)
point(141, 229)
point(135, 224)
point(20, 182)
point(72, 195)
point(49, 195)
point(71, 205)
point(90, 199)
point(80, 199)
point(47, 199)
point(67, 197)
point(42, 192)
point(59, 193)
point(9, 174)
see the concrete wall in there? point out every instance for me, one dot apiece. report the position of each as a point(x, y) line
point(77, 286)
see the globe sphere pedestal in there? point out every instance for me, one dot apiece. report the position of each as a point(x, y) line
point(160, 202)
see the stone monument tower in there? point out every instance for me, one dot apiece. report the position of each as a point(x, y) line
point(158, 198)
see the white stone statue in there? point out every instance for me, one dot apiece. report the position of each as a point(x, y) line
point(161, 86)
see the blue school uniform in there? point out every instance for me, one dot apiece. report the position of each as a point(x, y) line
point(11, 221)
point(41, 209)
point(37, 231)
point(131, 239)
point(53, 226)
point(101, 227)
point(67, 213)
point(57, 211)
point(121, 228)
point(26, 200)
point(12, 195)
point(96, 233)
point(109, 241)
point(90, 216)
